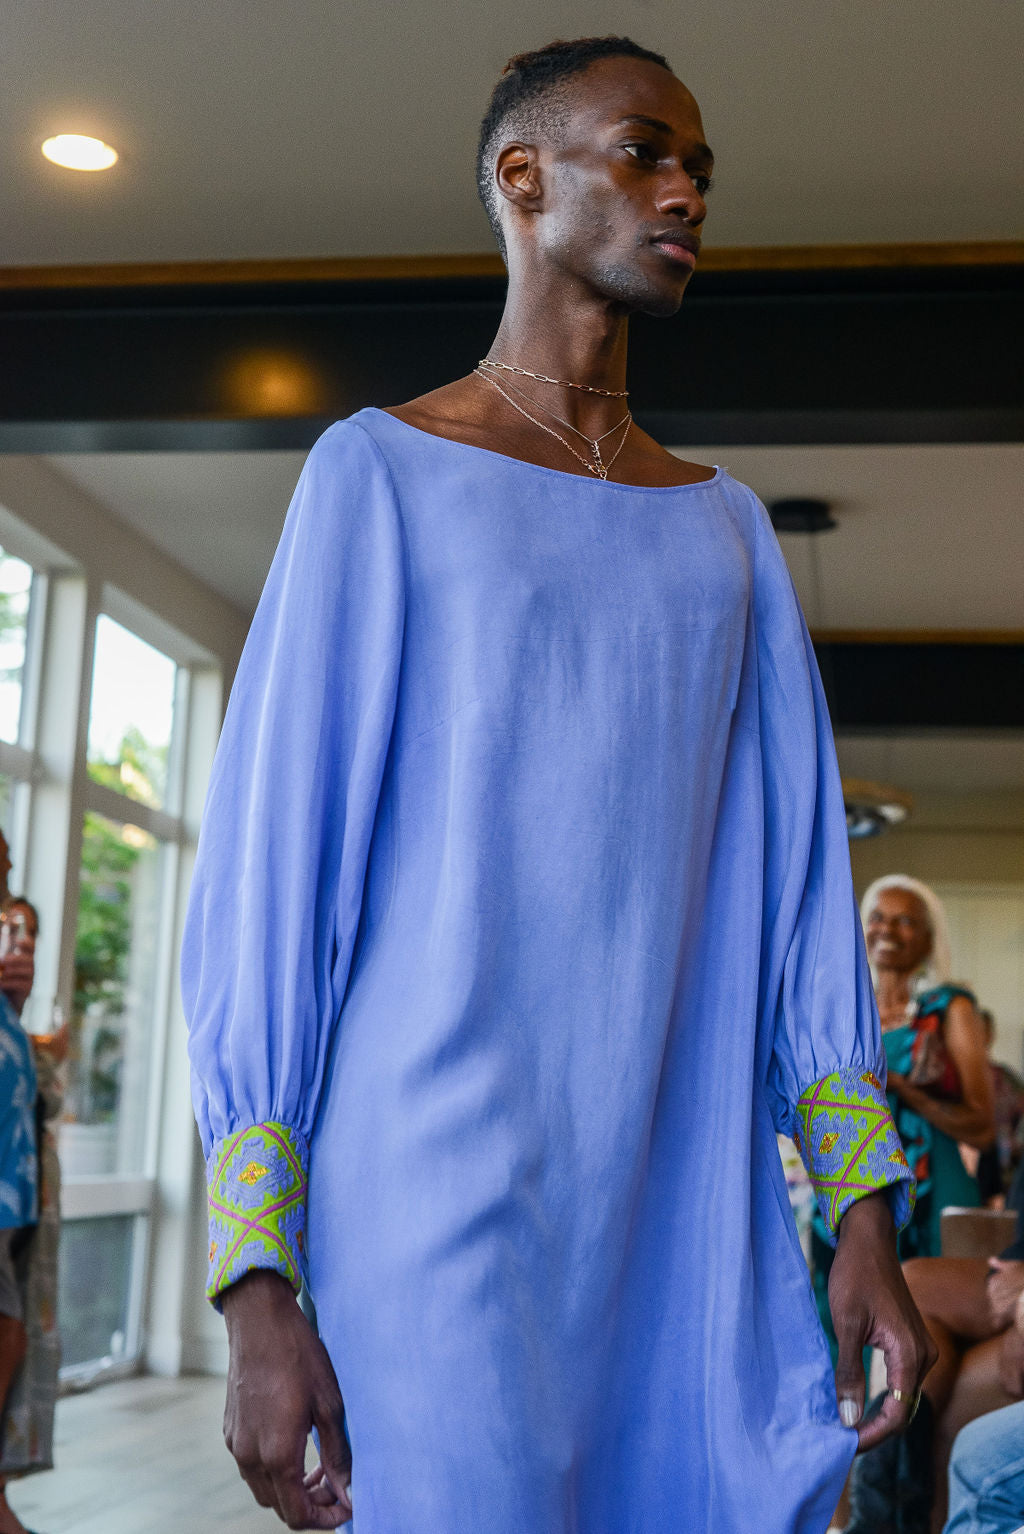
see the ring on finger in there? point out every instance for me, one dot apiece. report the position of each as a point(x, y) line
point(913, 1396)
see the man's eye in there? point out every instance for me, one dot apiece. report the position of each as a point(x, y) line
point(703, 184)
point(639, 151)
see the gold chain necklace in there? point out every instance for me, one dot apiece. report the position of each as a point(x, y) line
point(568, 424)
point(563, 383)
point(596, 465)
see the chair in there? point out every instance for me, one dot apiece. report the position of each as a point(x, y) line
point(976, 1232)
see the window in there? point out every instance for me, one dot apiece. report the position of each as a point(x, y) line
point(18, 602)
point(101, 823)
point(117, 967)
point(15, 599)
point(131, 714)
point(132, 836)
point(96, 1260)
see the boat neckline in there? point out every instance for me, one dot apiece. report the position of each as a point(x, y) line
point(540, 468)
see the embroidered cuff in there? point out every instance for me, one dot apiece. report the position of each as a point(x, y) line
point(257, 1180)
point(850, 1146)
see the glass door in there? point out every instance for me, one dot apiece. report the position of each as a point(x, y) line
point(131, 839)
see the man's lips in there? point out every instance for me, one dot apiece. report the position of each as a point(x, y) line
point(678, 246)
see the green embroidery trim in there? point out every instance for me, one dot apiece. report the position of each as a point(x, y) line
point(257, 1180)
point(850, 1145)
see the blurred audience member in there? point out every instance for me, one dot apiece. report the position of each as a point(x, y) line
point(26, 1419)
point(970, 1307)
point(940, 1083)
point(997, 1166)
point(940, 1091)
point(18, 1169)
point(986, 1475)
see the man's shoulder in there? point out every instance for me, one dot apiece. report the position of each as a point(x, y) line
point(452, 412)
point(670, 468)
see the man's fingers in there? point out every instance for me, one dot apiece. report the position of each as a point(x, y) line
point(319, 1488)
point(892, 1418)
point(301, 1508)
point(850, 1378)
point(335, 1454)
point(261, 1486)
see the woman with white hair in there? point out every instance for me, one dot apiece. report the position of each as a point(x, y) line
point(940, 1083)
point(940, 1092)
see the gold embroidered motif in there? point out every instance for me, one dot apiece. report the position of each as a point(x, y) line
point(213, 1250)
point(252, 1173)
point(867, 1145)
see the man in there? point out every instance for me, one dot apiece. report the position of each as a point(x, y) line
point(523, 919)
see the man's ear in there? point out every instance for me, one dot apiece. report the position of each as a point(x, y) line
point(517, 174)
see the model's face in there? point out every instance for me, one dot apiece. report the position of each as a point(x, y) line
point(898, 935)
point(624, 193)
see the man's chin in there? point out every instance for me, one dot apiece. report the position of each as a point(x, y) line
point(640, 293)
point(661, 304)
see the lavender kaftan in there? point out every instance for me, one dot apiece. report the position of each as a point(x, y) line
point(523, 901)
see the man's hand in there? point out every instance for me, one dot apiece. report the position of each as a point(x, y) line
point(18, 973)
point(281, 1383)
point(1003, 1289)
point(871, 1307)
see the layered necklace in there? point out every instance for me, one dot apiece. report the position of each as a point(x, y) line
point(595, 463)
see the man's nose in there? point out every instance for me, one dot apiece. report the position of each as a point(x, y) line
point(680, 195)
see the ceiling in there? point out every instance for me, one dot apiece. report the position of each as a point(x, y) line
point(249, 128)
point(928, 537)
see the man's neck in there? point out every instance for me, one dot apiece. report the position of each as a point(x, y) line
point(570, 335)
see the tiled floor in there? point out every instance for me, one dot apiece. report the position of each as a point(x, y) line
point(144, 1456)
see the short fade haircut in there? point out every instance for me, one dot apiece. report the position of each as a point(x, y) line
point(530, 98)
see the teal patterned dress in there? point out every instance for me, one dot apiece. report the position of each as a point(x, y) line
point(916, 1050)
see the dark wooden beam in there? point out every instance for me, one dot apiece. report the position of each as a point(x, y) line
point(804, 347)
point(943, 687)
point(721, 258)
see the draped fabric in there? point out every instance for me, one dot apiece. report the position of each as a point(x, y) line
point(523, 903)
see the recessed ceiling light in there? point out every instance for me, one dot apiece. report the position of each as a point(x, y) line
point(76, 152)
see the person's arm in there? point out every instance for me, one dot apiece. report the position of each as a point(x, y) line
point(273, 914)
point(824, 1067)
point(1011, 1353)
point(971, 1120)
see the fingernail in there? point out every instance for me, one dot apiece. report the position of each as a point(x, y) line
point(848, 1412)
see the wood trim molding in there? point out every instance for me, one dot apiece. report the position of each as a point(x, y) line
point(738, 258)
point(918, 636)
point(807, 258)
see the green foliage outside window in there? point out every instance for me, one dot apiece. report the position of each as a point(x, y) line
point(104, 934)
